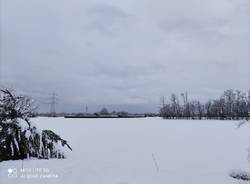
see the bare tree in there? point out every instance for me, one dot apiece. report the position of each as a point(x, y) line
point(231, 105)
point(104, 111)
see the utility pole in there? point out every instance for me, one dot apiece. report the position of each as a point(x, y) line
point(86, 109)
point(163, 101)
point(162, 105)
point(53, 105)
point(186, 105)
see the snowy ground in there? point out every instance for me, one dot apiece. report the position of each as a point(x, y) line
point(139, 151)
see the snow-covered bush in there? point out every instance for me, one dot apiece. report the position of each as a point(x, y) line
point(20, 139)
point(241, 175)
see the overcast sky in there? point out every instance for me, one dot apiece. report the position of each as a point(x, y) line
point(127, 53)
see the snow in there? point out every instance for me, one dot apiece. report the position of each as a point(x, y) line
point(139, 151)
point(23, 124)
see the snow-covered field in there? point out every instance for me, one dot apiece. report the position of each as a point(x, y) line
point(138, 151)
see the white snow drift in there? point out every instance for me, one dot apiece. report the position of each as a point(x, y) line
point(138, 151)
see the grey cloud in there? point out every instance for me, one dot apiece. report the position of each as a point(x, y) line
point(124, 52)
point(105, 18)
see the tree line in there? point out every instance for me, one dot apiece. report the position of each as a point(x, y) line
point(232, 104)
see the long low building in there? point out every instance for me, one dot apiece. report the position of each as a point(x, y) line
point(105, 116)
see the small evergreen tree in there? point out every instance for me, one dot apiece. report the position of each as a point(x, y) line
point(19, 139)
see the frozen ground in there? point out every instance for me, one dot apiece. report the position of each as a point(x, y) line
point(139, 151)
